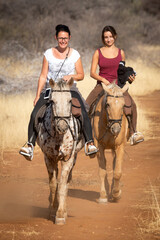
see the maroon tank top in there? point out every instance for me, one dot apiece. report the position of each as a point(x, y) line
point(108, 67)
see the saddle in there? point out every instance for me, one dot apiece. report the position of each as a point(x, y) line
point(96, 95)
point(76, 107)
point(93, 98)
point(76, 111)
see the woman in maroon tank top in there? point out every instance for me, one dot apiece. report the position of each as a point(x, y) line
point(108, 58)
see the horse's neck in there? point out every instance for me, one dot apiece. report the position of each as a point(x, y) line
point(102, 112)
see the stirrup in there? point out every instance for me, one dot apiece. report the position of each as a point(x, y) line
point(134, 141)
point(28, 155)
point(89, 153)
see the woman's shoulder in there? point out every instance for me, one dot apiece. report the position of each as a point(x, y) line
point(74, 53)
point(97, 51)
point(122, 54)
point(121, 50)
point(48, 52)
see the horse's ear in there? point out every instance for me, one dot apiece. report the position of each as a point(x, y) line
point(125, 87)
point(70, 82)
point(51, 82)
point(107, 88)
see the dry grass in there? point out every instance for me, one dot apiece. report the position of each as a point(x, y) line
point(16, 68)
point(149, 213)
point(147, 79)
point(14, 119)
point(15, 109)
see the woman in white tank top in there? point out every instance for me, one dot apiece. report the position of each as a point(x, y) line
point(59, 62)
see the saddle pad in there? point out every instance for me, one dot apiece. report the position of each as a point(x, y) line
point(76, 107)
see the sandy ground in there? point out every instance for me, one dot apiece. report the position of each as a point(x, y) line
point(24, 192)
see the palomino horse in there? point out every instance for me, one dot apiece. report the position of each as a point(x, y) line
point(110, 132)
point(58, 139)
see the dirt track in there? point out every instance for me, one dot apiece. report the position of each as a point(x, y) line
point(24, 192)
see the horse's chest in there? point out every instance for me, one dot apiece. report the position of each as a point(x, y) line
point(50, 141)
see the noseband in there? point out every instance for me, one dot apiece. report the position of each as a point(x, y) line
point(110, 121)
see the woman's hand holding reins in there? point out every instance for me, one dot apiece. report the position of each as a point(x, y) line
point(67, 78)
point(105, 81)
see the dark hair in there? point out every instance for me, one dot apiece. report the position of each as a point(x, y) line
point(62, 28)
point(109, 29)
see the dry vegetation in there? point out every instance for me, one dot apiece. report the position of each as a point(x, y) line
point(14, 120)
point(27, 29)
point(148, 218)
point(16, 109)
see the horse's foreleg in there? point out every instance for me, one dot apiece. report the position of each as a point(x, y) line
point(52, 173)
point(62, 192)
point(117, 172)
point(70, 173)
point(102, 174)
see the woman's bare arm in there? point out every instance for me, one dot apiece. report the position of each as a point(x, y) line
point(94, 66)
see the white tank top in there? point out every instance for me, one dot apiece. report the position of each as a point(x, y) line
point(54, 65)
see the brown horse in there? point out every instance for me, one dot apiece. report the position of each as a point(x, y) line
point(110, 132)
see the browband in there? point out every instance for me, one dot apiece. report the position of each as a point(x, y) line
point(61, 91)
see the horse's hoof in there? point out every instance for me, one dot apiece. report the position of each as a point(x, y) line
point(117, 196)
point(102, 200)
point(60, 221)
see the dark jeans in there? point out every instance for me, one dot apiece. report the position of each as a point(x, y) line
point(87, 129)
point(32, 133)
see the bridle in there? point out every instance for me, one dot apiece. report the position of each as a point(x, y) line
point(64, 118)
point(59, 118)
point(111, 121)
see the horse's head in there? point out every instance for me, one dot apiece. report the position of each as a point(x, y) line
point(61, 104)
point(113, 104)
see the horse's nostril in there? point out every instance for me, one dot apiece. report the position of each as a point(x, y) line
point(62, 126)
point(115, 130)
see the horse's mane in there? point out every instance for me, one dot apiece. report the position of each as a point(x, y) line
point(115, 89)
point(61, 83)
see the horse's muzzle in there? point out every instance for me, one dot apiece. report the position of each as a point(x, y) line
point(61, 126)
point(115, 129)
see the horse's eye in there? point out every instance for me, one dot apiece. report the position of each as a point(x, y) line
point(107, 105)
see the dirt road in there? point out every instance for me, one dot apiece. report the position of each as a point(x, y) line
point(24, 192)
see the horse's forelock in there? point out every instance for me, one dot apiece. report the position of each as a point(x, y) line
point(61, 83)
point(116, 90)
